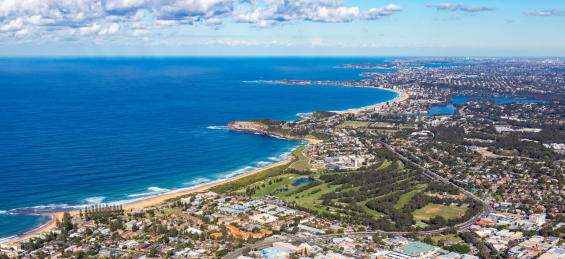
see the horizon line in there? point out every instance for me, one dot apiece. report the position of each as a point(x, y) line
point(267, 56)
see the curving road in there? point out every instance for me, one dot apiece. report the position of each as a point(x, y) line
point(429, 174)
point(426, 172)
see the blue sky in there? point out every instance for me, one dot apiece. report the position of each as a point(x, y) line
point(282, 28)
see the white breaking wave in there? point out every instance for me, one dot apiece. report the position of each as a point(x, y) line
point(3, 212)
point(264, 163)
point(157, 189)
point(275, 136)
point(398, 97)
point(199, 181)
point(95, 200)
point(152, 191)
point(238, 172)
point(218, 127)
point(305, 114)
point(7, 239)
point(257, 81)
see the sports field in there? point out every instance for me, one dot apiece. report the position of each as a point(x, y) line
point(431, 210)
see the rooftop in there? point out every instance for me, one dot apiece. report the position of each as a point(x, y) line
point(415, 248)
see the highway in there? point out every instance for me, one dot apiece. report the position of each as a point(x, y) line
point(426, 172)
point(429, 174)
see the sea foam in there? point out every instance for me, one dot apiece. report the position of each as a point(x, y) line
point(218, 127)
point(95, 200)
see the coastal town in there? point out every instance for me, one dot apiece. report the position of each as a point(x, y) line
point(467, 163)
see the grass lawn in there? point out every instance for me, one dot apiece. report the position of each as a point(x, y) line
point(385, 164)
point(308, 198)
point(421, 224)
point(288, 179)
point(302, 162)
point(452, 237)
point(371, 212)
point(407, 197)
point(311, 201)
point(354, 124)
point(400, 165)
point(431, 210)
point(168, 211)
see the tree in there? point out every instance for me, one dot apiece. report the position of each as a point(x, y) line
point(221, 253)
point(152, 252)
point(377, 239)
point(246, 251)
point(459, 248)
point(66, 224)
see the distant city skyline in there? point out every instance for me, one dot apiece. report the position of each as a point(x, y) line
point(281, 28)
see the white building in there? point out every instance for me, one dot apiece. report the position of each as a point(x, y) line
point(538, 219)
point(263, 218)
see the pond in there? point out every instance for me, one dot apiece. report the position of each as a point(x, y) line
point(450, 109)
point(301, 181)
point(498, 100)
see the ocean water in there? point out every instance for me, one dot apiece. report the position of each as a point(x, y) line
point(77, 132)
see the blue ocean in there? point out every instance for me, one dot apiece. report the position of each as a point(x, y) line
point(77, 132)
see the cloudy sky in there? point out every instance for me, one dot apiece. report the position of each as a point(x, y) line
point(282, 27)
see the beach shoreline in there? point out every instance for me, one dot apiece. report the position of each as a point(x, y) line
point(159, 199)
point(156, 200)
point(404, 97)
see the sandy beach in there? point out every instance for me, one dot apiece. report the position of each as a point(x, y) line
point(153, 201)
point(405, 97)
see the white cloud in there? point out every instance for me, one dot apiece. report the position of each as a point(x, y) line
point(237, 42)
point(121, 6)
point(22, 32)
point(274, 12)
point(555, 12)
point(213, 22)
point(90, 29)
point(188, 11)
point(377, 13)
point(69, 19)
point(110, 30)
point(230, 42)
point(339, 14)
point(14, 25)
point(462, 7)
point(166, 23)
point(140, 32)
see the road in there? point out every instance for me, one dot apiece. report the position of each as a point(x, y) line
point(429, 174)
point(426, 172)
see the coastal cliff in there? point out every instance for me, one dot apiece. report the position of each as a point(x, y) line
point(273, 128)
point(264, 126)
point(248, 126)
